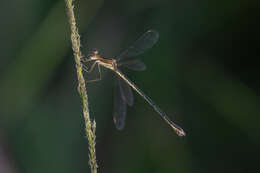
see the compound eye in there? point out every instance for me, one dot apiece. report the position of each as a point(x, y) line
point(95, 51)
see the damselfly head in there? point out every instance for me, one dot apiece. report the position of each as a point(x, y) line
point(93, 52)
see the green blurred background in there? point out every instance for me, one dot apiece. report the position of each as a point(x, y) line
point(203, 72)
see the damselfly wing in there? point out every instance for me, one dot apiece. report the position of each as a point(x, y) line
point(124, 92)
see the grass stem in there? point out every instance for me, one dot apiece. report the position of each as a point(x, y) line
point(90, 126)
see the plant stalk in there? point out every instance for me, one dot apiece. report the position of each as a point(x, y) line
point(90, 126)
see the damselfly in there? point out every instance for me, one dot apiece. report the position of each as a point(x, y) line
point(123, 93)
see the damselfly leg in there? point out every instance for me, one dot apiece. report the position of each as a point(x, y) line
point(91, 69)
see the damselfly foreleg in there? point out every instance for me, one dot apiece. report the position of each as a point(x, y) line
point(99, 74)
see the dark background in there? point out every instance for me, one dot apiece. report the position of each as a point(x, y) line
point(203, 72)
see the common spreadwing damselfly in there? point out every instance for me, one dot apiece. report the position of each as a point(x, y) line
point(123, 93)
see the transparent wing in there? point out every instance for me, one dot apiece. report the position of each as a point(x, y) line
point(146, 41)
point(135, 64)
point(119, 107)
point(126, 92)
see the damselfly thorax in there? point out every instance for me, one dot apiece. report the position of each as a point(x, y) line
point(109, 63)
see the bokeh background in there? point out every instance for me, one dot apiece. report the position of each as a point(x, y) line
point(203, 72)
